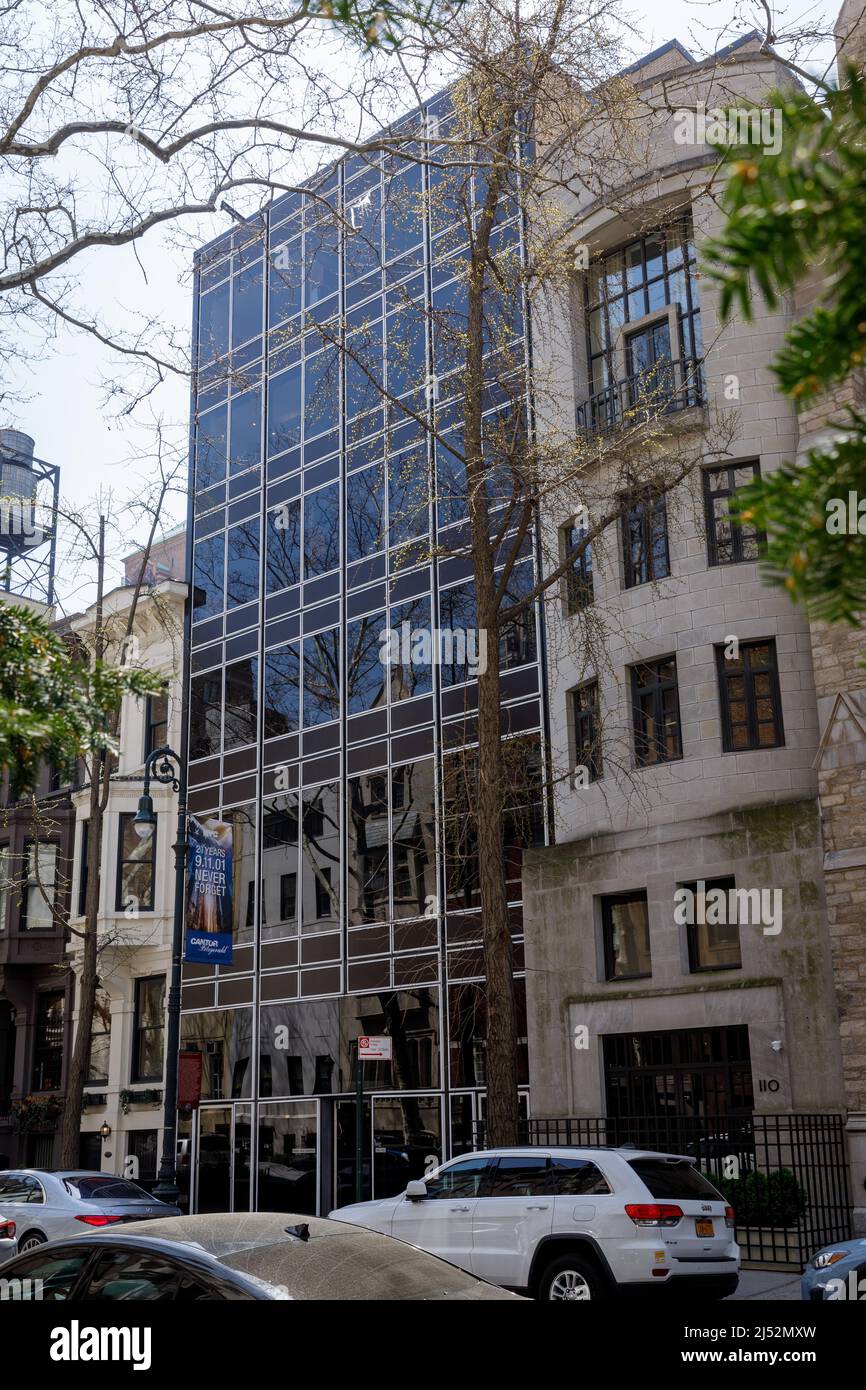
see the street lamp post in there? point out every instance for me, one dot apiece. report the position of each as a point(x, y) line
point(165, 766)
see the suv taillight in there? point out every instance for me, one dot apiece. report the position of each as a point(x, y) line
point(7, 1230)
point(99, 1220)
point(654, 1213)
point(729, 1216)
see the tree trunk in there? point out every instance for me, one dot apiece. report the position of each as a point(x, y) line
point(501, 1061)
point(80, 1060)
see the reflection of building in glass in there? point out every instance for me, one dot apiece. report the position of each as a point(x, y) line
point(317, 511)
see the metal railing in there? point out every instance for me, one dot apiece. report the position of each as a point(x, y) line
point(646, 396)
point(786, 1176)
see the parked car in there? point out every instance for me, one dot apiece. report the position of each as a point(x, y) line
point(836, 1273)
point(240, 1256)
point(47, 1205)
point(569, 1223)
point(8, 1242)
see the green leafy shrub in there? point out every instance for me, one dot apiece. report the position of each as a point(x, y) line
point(763, 1199)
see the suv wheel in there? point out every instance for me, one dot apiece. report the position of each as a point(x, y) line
point(571, 1278)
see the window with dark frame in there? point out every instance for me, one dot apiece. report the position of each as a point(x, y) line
point(625, 285)
point(100, 1041)
point(713, 939)
point(288, 897)
point(48, 1042)
point(750, 697)
point(587, 729)
point(149, 1029)
point(155, 722)
point(578, 577)
point(83, 867)
point(135, 863)
point(142, 1145)
point(625, 929)
point(646, 556)
point(4, 889)
point(37, 899)
point(728, 544)
point(656, 712)
point(324, 899)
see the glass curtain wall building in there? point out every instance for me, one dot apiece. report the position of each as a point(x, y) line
point(328, 343)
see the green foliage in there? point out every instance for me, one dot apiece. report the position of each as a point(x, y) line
point(378, 25)
point(814, 559)
point(54, 709)
point(761, 1199)
point(790, 214)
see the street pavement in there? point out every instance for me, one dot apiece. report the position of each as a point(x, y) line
point(763, 1285)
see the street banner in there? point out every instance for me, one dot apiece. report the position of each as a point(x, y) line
point(189, 1076)
point(208, 938)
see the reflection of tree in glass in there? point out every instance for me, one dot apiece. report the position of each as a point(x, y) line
point(321, 678)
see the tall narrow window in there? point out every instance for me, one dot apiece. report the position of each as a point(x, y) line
point(155, 722)
point(625, 923)
point(579, 583)
point(48, 1042)
point(37, 912)
point(750, 697)
point(100, 1040)
point(4, 885)
point(205, 720)
point(135, 861)
point(83, 867)
point(587, 730)
point(728, 544)
point(149, 1029)
point(645, 539)
point(656, 707)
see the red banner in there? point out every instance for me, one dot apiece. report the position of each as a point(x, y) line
point(189, 1070)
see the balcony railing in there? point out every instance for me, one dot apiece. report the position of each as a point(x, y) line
point(637, 400)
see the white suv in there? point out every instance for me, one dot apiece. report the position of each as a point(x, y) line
point(566, 1223)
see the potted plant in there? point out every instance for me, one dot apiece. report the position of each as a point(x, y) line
point(36, 1112)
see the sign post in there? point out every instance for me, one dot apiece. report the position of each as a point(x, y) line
point(369, 1050)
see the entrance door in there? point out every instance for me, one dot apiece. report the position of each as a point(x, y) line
point(407, 1141)
point(346, 1166)
point(289, 1157)
point(213, 1159)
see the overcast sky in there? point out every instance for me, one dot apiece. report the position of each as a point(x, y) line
point(64, 411)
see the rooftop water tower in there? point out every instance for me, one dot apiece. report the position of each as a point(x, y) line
point(28, 519)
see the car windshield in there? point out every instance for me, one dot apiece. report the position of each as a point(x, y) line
point(677, 1179)
point(105, 1189)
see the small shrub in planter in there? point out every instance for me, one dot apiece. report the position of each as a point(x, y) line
point(763, 1199)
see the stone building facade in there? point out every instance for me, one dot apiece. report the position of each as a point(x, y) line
point(756, 779)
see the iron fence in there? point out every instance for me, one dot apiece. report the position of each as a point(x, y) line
point(786, 1176)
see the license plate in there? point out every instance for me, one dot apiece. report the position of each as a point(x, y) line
point(703, 1226)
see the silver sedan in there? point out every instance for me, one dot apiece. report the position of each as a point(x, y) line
point(66, 1202)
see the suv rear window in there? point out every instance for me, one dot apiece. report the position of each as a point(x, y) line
point(107, 1189)
point(673, 1179)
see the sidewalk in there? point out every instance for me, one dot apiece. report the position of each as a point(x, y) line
point(759, 1285)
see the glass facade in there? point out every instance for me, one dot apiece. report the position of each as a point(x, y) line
point(324, 720)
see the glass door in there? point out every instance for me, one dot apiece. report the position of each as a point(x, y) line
point(213, 1159)
point(407, 1141)
point(288, 1157)
point(346, 1165)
